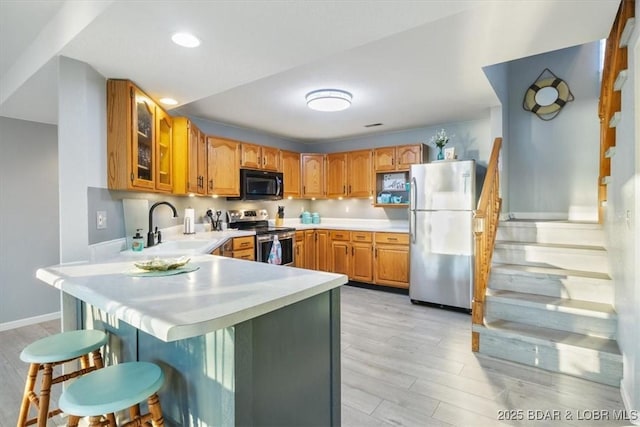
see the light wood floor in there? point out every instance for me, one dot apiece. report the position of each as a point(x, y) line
point(407, 365)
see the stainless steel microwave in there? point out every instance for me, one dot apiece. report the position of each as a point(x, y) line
point(259, 185)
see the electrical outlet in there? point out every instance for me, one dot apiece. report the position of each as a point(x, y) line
point(101, 220)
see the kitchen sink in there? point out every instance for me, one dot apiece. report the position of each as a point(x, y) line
point(181, 247)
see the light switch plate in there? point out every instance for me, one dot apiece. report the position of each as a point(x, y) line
point(101, 220)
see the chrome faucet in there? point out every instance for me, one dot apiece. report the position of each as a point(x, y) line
point(152, 235)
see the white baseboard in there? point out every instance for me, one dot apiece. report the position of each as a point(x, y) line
point(574, 214)
point(29, 321)
point(542, 216)
point(626, 400)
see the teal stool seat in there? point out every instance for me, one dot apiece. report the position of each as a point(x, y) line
point(113, 389)
point(64, 346)
point(49, 352)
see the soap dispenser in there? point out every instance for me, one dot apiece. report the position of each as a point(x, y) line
point(138, 241)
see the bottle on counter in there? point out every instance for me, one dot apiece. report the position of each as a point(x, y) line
point(138, 242)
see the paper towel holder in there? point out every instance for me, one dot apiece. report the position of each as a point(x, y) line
point(189, 227)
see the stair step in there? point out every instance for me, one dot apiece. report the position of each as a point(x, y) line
point(552, 282)
point(564, 256)
point(591, 358)
point(582, 317)
point(555, 232)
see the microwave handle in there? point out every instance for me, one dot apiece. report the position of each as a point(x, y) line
point(279, 182)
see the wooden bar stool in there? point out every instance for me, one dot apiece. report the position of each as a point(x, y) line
point(46, 353)
point(114, 389)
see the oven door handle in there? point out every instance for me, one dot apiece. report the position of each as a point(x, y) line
point(264, 238)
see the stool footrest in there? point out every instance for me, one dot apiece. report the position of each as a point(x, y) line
point(74, 374)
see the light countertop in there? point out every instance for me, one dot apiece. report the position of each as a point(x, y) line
point(355, 224)
point(221, 293)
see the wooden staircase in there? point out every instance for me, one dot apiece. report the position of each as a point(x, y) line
point(549, 300)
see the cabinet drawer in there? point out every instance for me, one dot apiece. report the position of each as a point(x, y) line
point(397, 238)
point(299, 236)
point(361, 236)
point(340, 235)
point(247, 254)
point(247, 242)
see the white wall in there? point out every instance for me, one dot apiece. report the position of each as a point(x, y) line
point(621, 222)
point(553, 165)
point(28, 221)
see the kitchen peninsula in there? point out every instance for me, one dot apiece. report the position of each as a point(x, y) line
point(240, 343)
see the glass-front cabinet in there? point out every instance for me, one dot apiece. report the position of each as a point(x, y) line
point(143, 140)
point(139, 140)
point(164, 151)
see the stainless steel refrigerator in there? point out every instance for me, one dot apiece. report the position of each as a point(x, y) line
point(442, 199)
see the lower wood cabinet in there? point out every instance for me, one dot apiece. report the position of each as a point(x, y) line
point(341, 252)
point(238, 247)
point(310, 249)
point(378, 258)
point(298, 251)
point(361, 257)
point(352, 254)
point(392, 259)
point(323, 258)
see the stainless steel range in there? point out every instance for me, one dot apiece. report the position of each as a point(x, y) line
point(258, 221)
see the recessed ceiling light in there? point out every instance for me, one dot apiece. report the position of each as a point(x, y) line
point(329, 100)
point(168, 101)
point(185, 40)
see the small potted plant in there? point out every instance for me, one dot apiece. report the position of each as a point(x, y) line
point(440, 139)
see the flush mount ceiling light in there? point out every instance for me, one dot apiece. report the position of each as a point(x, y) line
point(168, 101)
point(185, 40)
point(329, 100)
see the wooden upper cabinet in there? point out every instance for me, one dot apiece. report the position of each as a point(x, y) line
point(360, 174)
point(223, 167)
point(384, 159)
point(336, 175)
point(251, 156)
point(270, 158)
point(132, 137)
point(407, 155)
point(259, 157)
point(312, 172)
point(202, 163)
point(194, 170)
point(399, 158)
point(189, 158)
point(164, 152)
point(290, 162)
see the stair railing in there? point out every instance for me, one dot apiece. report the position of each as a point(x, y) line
point(613, 76)
point(485, 227)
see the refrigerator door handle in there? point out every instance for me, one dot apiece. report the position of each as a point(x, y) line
point(414, 193)
point(413, 229)
point(465, 178)
point(412, 209)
